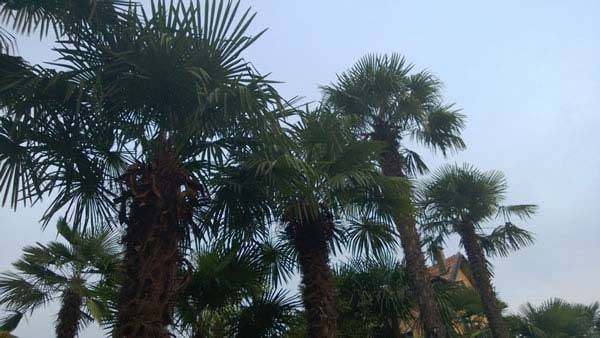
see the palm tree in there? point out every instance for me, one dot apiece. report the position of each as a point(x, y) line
point(231, 294)
point(390, 105)
point(146, 107)
point(327, 177)
point(332, 188)
point(374, 298)
point(73, 273)
point(557, 318)
point(460, 200)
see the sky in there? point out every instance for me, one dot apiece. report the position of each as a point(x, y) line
point(526, 75)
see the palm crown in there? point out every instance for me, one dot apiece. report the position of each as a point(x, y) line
point(390, 103)
point(458, 194)
point(174, 74)
point(81, 269)
point(323, 168)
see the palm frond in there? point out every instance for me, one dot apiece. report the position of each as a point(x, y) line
point(241, 202)
point(7, 42)
point(267, 315)
point(10, 322)
point(27, 17)
point(278, 257)
point(522, 211)
point(505, 239)
point(370, 238)
point(413, 163)
point(441, 129)
point(18, 294)
point(372, 296)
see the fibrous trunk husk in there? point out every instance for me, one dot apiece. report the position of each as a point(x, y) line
point(157, 205)
point(419, 278)
point(483, 281)
point(69, 315)
point(311, 239)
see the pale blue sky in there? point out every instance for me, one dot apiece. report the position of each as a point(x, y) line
point(527, 75)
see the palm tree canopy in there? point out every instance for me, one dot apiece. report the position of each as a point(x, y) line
point(29, 16)
point(373, 296)
point(388, 101)
point(174, 72)
point(557, 318)
point(340, 173)
point(85, 264)
point(232, 291)
point(323, 168)
point(457, 194)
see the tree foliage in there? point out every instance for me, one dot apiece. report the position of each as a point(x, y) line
point(456, 193)
point(557, 318)
point(82, 264)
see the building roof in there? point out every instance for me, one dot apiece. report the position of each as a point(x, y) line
point(453, 264)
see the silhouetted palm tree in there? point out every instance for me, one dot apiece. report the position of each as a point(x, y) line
point(390, 105)
point(146, 107)
point(460, 200)
point(326, 180)
point(74, 273)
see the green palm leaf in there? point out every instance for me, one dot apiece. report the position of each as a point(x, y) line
point(10, 322)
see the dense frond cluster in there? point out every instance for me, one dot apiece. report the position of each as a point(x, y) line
point(557, 318)
point(456, 195)
point(389, 102)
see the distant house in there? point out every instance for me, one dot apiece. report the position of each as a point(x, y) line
point(453, 269)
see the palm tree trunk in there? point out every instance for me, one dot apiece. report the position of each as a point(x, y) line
point(311, 241)
point(67, 323)
point(391, 165)
point(156, 217)
point(483, 280)
point(397, 328)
